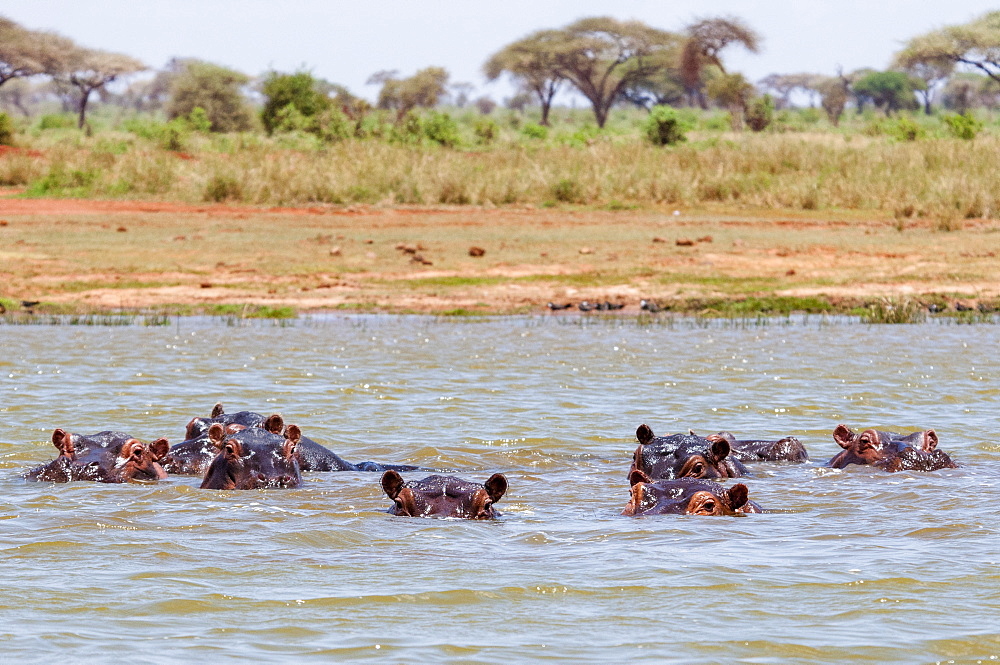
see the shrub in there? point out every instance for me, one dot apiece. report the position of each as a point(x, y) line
point(223, 188)
point(533, 131)
point(298, 90)
point(486, 130)
point(905, 129)
point(199, 121)
point(963, 126)
point(6, 129)
point(567, 191)
point(56, 121)
point(441, 129)
point(663, 126)
point(760, 113)
point(332, 125)
point(407, 129)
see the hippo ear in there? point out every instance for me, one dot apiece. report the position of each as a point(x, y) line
point(159, 448)
point(720, 449)
point(930, 441)
point(496, 486)
point(216, 433)
point(738, 496)
point(217, 410)
point(692, 432)
point(843, 435)
point(637, 477)
point(392, 483)
point(274, 424)
point(292, 437)
point(644, 434)
point(63, 440)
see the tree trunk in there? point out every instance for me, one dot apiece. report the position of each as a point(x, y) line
point(84, 98)
point(546, 105)
point(600, 114)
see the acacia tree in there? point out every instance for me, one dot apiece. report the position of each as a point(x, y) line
point(532, 63)
point(423, 89)
point(602, 57)
point(975, 44)
point(889, 91)
point(706, 39)
point(216, 90)
point(833, 94)
point(25, 53)
point(88, 70)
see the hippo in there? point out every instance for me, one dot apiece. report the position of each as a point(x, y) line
point(253, 458)
point(444, 496)
point(105, 457)
point(195, 454)
point(686, 496)
point(788, 449)
point(889, 451)
point(683, 455)
point(199, 426)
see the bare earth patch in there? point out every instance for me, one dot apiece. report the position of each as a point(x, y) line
point(131, 254)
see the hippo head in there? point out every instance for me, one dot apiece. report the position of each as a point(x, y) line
point(684, 496)
point(889, 451)
point(684, 456)
point(118, 461)
point(268, 461)
point(443, 496)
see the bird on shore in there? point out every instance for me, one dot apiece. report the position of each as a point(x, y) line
point(650, 306)
point(554, 307)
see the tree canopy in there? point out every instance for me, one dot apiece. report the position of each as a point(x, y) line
point(602, 57)
point(975, 44)
point(532, 63)
point(88, 70)
point(706, 39)
point(423, 89)
point(216, 90)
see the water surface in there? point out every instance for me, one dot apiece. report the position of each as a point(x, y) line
point(853, 565)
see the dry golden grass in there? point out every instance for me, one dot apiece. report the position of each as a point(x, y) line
point(945, 179)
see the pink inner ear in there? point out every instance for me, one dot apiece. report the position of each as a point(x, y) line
point(843, 435)
point(930, 440)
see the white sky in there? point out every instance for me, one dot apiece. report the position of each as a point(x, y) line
point(345, 42)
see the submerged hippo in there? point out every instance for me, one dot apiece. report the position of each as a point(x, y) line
point(105, 457)
point(683, 456)
point(687, 496)
point(194, 455)
point(889, 451)
point(444, 496)
point(788, 449)
point(253, 458)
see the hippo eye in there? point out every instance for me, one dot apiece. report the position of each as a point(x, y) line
point(698, 469)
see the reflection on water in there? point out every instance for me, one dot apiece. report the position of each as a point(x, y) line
point(855, 565)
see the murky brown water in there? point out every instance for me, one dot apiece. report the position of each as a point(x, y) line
point(855, 566)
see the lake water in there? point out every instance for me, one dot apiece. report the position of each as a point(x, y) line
point(854, 565)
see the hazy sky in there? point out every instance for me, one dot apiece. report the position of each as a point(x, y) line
point(345, 42)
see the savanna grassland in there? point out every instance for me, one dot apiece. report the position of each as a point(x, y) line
point(801, 217)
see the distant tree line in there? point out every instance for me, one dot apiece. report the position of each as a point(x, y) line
point(607, 61)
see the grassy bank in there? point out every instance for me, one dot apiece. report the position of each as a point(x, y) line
point(800, 163)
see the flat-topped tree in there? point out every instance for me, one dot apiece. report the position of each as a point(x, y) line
point(25, 53)
point(89, 70)
point(975, 44)
point(603, 57)
point(532, 63)
point(706, 39)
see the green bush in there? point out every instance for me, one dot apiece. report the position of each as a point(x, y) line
point(663, 126)
point(440, 128)
point(221, 188)
point(57, 121)
point(408, 130)
point(567, 191)
point(533, 131)
point(486, 130)
point(963, 126)
point(905, 129)
point(298, 90)
point(6, 129)
point(760, 113)
point(199, 121)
